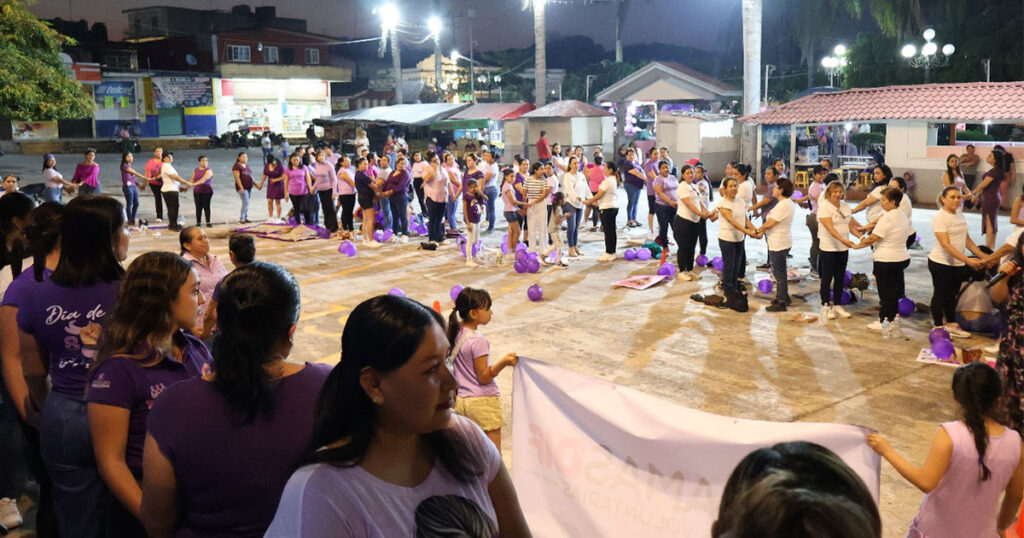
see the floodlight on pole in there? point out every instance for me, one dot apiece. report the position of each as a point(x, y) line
point(434, 25)
point(834, 64)
point(908, 51)
point(389, 16)
point(840, 50)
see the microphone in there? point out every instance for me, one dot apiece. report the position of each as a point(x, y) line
point(1002, 275)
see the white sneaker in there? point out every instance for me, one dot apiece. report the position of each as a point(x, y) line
point(10, 517)
point(561, 265)
point(606, 257)
point(471, 263)
point(955, 331)
point(838, 309)
point(875, 326)
point(158, 221)
point(404, 239)
point(372, 244)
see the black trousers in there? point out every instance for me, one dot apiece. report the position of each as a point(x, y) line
point(158, 200)
point(608, 217)
point(348, 204)
point(702, 235)
point(300, 204)
point(171, 199)
point(330, 217)
point(417, 185)
point(202, 206)
point(832, 271)
point(891, 287)
point(685, 232)
point(946, 282)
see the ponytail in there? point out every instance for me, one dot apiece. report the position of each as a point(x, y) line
point(977, 388)
point(454, 326)
point(468, 299)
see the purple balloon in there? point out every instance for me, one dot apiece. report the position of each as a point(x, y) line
point(532, 256)
point(917, 238)
point(906, 306)
point(347, 248)
point(668, 269)
point(477, 247)
point(521, 246)
point(765, 285)
point(454, 293)
point(943, 349)
point(938, 333)
point(717, 263)
point(797, 195)
point(847, 278)
point(701, 260)
point(520, 267)
point(643, 254)
point(387, 234)
point(378, 236)
point(504, 248)
point(397, 291)
point(521, 256)
point(461, 240)
point(535, 293)
point(462, 248)
point(292, 221)
point(533, 266)
point(630, 254)
point(846, 298)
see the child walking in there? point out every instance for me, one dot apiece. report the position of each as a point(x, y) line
point(555, 229)
point(478, 398)
point(472, 202)
point(970, 464)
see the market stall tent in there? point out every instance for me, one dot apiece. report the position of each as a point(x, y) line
point(482, 122)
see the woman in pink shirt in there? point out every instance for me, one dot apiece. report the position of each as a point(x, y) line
point(298, 183)
point(419, 170)
point(595, 175)
point(346, 192)
point(87, 174)
point(435, 189)
point(454, 190)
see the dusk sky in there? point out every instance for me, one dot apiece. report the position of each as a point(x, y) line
point(498, 24)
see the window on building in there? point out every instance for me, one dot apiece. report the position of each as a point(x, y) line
point(118, 61)
point(312, 56)
point(269, 55)
point(288, 56)
point(154, 23)
point(137, 26)
point(239, 53)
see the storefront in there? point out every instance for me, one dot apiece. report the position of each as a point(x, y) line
point(179, 105)
point(281, 106)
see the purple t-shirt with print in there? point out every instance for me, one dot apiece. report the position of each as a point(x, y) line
point(230, 472)
point(472, 207)
point(124, 382)
point(474, 345)
point(66, 324)
point(22, 286)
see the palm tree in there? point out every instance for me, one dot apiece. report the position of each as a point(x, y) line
point(818, 19)
point(540, 70)
point(898, 18)
point(751, 12)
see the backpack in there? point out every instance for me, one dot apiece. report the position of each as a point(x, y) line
point(736, 301)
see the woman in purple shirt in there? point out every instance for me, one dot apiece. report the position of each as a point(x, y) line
point(634, 179)
point(651, 172)
point(243, 184)
point(145, 349)
point(219, 448)
point(298, 183)
point(365, 482)
point(87, 174)
point(129, 188)
point(202, 179)
point(273, 172)
point(61, 322)
point(396, 190)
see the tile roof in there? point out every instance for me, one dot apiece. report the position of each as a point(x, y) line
point(567, 109)
point(972, 101)
point(492, 111)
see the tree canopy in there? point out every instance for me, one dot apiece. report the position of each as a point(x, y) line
point(34, 84)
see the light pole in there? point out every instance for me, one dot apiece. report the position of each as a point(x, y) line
point(434, 25)
point(834, 64)
point(389, 26)
point(929, 57)
point(472, 83)
point(768, 69)
point(589, 78)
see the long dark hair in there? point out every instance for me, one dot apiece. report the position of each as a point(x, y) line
point(143, 320)
point(468, 299)
point(13, 205)
point(42, 234)
point(185, 237)
point(953, 173)
point(382, 333)
point(88, 240)
point(977, 388)
point(124, 157)
point(886, 173)
point(258, 304)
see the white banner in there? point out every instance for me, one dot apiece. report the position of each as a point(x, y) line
point(591, 458)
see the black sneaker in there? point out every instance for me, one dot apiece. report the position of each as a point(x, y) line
point(764, 267)
point(776, 307)
point(427, 245)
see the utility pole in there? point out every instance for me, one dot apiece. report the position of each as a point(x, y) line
point(396, 64)
point(768, 68)
point(540, 71)
point(470, 13)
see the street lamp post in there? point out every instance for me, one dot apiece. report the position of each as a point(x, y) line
point(589, 78)
point(389, 25)
point(929, 57)
point(434, 25)
point(834, 64)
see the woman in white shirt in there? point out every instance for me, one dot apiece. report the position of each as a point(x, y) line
point(172, 185)
point(577, 192)
point(947, 263)
point(732, 230)
point(889, 237)
point(703, 186)
point(778, 227)
point(606, 200)
point(53, 180)
point(684, 225)
point(882, 177)
point(835, 224)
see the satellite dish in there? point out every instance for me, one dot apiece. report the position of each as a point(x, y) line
point(191, 60)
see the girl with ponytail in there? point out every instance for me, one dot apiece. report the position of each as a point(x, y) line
point(219, 448)
point(971, 463)
point(478, 396)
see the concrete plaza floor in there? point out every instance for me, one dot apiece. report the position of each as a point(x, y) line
point(756, 365)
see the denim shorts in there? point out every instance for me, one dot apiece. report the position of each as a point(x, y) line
point(513, 216)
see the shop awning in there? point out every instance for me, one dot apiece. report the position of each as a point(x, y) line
point(421, 114)
point(479, 115)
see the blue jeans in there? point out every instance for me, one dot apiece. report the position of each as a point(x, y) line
point(732, 257)
point(399, 203)
point(492, 199)
point(85, 189)
point(52, 194)
point(991, 323)
point(243, 195)
point(778, 260)
point(131, 202)
point(572, 223)
point(632, 199)
point(79, 493)
point(385, 212)
point(664, 213)
point(435, 220)
point(450, 208)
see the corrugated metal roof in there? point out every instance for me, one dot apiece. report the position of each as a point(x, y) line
point(973, 101)
point(492, 111)
point(421, 114)
point(567, 109)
